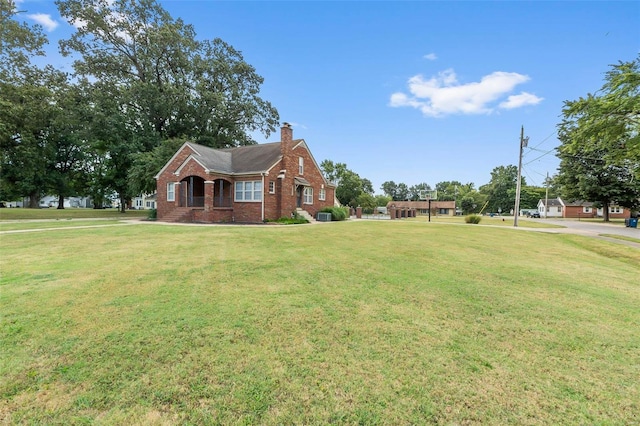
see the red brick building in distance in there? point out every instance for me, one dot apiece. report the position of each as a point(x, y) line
point(246, 184)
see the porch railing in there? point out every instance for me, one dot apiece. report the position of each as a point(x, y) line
point(195, 202)
point(221, 201)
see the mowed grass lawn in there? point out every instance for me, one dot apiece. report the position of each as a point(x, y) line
point(379, 322)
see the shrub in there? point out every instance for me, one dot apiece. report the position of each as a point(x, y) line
point(337, 213)
point(153, 214)
point(295, 220)
point(473, 218)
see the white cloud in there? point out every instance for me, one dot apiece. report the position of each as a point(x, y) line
point(443, 95)
point(45, 20)
point(517, 101)
point(431, 56)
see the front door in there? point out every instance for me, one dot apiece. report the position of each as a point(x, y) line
point(299, 190)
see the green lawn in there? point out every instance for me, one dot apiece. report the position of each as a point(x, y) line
point(70, 213)
point(365, 322)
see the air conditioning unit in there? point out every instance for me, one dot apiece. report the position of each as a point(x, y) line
point(323, 217)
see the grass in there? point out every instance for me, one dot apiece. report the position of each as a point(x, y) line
point(375, 322)
point(506, 221)
point(622, 237)
point(70, 213)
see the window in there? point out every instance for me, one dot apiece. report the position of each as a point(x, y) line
point(559, 209)
point(587, 209)
point(272, 187)
point(443, 211)
point(249, 191)
point(614, 209)
point(308, 195)
point(322, 195)
point(300, 165)
point(171, 191)
point(138, 203)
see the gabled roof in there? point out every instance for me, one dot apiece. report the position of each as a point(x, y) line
point(579, 203)
point(240, 160)
point(552, 202)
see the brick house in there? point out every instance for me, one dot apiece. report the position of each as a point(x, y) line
point(247, 184)
point(442, 208)
point(557, 207)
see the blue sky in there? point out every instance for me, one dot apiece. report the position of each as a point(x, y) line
point(415, 91)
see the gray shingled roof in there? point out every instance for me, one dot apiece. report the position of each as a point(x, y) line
point(239, 160)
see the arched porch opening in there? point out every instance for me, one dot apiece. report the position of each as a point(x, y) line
point(192, 194)
point(222, 193)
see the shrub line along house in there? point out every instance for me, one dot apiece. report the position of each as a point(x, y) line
point(247, 184)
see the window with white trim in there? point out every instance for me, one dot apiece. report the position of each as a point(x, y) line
point(250, 190)
point(308, 195)
point(171, 191)
point(272, 187)
point(322, 194)
point(300, 166)
point(559, 209)
point(586, 209)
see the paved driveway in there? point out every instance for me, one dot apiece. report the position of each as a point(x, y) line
point(591, 229)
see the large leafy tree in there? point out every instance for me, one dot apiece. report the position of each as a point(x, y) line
point(156, 81)
point(600, 142)
point(66, 139)
point(19, 42)
point(417, 191)
point(501, 189)
point(24, 108)
point(168, 82)
point(352, 189)
point(396, 191)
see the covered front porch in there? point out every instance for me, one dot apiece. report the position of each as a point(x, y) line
point(200, 200)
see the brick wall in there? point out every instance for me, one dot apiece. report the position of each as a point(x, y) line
point(163, 206)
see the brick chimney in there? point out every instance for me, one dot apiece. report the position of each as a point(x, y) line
point(286, 146)
point(286, 133)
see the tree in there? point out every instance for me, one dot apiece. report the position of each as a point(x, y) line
point(600, 142)
point(153, 80)
point(417, 191)
point(23, 108)
point(501, 189)
point(530, 195)
point(351, 188)
point(382, 200)
point(333, 171)
point(19, 42)
point(169, 83)
point(468, 204)
point(390, 189)
point(66, 140)
point(397, 192)
point(147, 164)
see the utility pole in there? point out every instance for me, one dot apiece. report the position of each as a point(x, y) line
point(546, 198)
point(523, 143)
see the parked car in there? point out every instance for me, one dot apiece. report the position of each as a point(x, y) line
point(535, 214)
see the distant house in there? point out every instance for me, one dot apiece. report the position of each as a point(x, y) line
point(144, 202)
point(246, 184)
point(556, 207)
point(552, 207)
point(578, 209)
point(69, 202)
point(442, 208)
